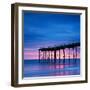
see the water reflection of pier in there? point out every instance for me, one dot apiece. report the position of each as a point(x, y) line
point(49, 54)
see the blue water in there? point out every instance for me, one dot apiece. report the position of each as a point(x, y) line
point(34, 68)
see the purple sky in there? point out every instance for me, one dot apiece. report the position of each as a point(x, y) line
point(48, 29)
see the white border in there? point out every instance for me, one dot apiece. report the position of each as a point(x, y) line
point(54, 78)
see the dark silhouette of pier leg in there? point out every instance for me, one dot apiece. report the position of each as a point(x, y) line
point(59, 56)
point(43, 56)
point(51, 56)
point(54, 56)
point(39, 56)
point(69, 56)
point(46, 57)
point(63, 56)
point(73, 56)
point(76, 55)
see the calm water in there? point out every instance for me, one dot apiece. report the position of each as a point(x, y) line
point(34, 68)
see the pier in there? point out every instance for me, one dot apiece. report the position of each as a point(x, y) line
point(49, 54)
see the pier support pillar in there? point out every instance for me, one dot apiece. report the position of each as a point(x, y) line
point(59, 57)
point(39, 55)
point(54, 56)
point(63, 56)
point(69, 56)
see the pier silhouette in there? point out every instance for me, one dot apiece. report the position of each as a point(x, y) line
point(49, 54)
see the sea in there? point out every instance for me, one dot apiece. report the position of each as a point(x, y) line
point(42, 68)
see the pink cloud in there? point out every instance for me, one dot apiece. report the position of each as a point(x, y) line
point(30, 55)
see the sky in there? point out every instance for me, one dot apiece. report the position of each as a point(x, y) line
point(48, 29)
